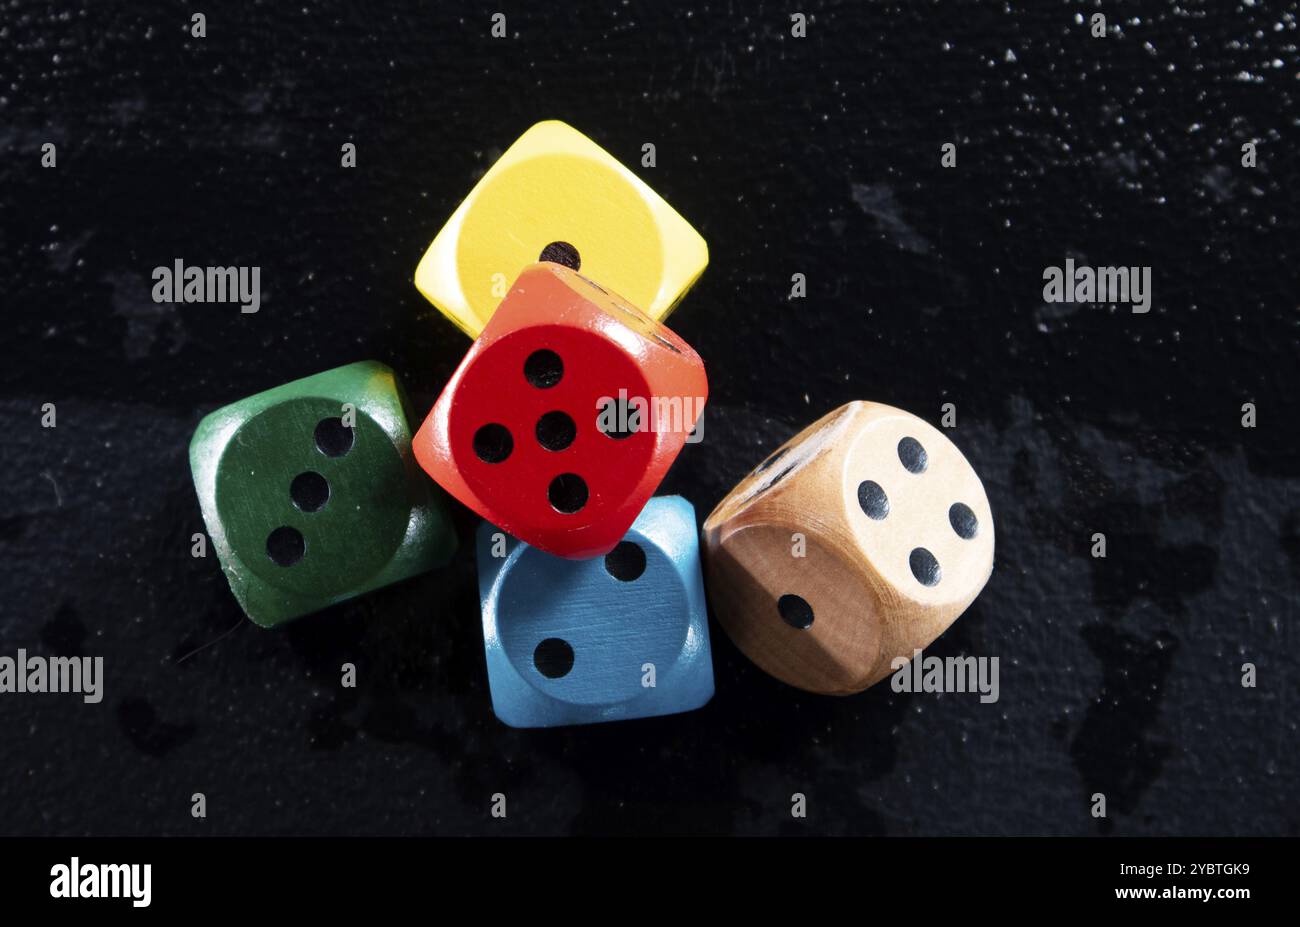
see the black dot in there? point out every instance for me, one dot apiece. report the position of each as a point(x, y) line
point(626, 419)
point(963, 520)
point(924, 567)
point(285, 546)
point(913, 455)
point(873, 500)
point(555, 431)
point(771, 460)
point(543, 369)
point(626, 561)
point(553, 658)
point(309, 491)
point(795, 611)
point(333, 438)
point(568, 493)
point(492, 443)
point(561, 252)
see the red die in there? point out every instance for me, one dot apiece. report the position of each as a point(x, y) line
point(565, 414)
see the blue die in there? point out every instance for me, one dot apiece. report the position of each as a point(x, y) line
point(578, 641)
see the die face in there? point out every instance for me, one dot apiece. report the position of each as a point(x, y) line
point(555, 458)
point(894, 539)
point(524, 433)
point(917, 509)
point(273, 475)
point(557, 193)
point(305, 510)
point(802, 613)
point(573, 642)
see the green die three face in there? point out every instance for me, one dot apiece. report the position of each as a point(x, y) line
point(311, 496)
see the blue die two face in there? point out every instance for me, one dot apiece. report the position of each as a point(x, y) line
point(614, 637)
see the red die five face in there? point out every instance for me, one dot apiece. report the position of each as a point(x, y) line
point(565, 414)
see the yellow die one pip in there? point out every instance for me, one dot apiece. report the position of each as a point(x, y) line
point(557, 195)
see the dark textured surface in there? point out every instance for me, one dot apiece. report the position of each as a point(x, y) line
point(818, 156)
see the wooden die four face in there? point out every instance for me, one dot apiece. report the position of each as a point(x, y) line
point(528, 431)
point(859, 541)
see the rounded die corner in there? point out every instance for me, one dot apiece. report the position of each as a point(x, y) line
point(669, 521)
point(554, 132)
point(201, 439)
point(703, 693)
point(365, 363)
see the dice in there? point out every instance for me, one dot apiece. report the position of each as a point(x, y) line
point(860, 540)
point(311, 496)
point(581, 641)
point(555, 195)
point(564, 415)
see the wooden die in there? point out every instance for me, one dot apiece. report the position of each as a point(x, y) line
point(857, 542)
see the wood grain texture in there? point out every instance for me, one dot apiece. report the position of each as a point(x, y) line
point(818, 155)
point(871, 517)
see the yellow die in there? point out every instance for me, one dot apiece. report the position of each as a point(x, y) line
point(557, 195)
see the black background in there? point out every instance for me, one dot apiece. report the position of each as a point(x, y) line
point(818, 156)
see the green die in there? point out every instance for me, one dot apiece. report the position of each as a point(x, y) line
point(311, 495)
